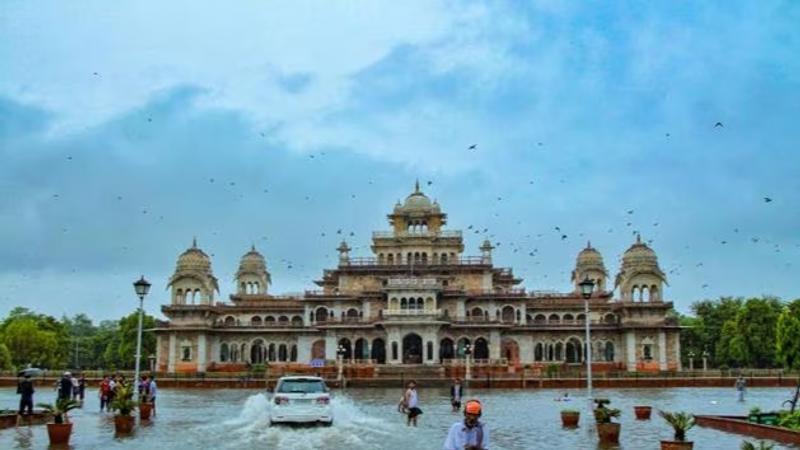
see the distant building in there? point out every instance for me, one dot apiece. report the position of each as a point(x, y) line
point(418, 300)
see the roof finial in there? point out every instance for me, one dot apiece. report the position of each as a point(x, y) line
point(638, 238)
point(194, 242)
point(588, 244)
point(252, 247)
point(416, 187)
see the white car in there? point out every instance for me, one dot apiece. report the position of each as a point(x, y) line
point(301, 399)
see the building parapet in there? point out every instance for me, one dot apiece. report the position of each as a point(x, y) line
point(425, 234)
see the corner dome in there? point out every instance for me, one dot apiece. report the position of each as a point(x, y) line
point(194, 259)
point(639, 253)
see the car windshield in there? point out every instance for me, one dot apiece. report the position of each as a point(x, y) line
point(301, 386)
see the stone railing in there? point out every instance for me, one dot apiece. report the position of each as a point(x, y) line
point(440, 233)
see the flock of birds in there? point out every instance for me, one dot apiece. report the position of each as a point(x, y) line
point(526, 243)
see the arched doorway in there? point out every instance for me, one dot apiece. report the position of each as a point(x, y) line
point(446, 350)
point(481, 350)
point(379, 351)
point(573, 350)
point(257, 352)
point(318, 349)
point(412, 349)
point(510, 350)
point(361, 351)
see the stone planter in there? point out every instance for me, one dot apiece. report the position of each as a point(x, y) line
point(676, 445)
point(123, 424)
point(59, 433)
point(642, 412)
point(145, 409)
point(569, 419)
point(608, 433)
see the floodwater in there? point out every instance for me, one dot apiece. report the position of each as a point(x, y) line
point(368, 419)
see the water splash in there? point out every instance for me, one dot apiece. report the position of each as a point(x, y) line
point(352, 428)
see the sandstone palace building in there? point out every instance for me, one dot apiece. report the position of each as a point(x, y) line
point(418, 300)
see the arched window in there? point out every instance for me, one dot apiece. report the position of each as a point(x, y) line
point(508, 314)
point(322, 315)
point(224, 352)
point(609, 351)
point(282, 356)
point(394, 350)
point(293, 353)
point(554, 318)
point(255, 321)
point(430, 350)
point(540, 319)
point(559, 351)
point(230, 321)
point(297, 321)
point(538, 352)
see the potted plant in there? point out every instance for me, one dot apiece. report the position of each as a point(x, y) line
point(60, 430)
point(681, 423)
point(145, 409)
point(570, 417)
point(607, 430)
point(642, 412)
point(123, 406)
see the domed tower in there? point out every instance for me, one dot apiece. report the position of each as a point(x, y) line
point(193, 283)
point(640, 279)
point(589, 264)
point(417, 214)
point(417, 237)
point(252, 276)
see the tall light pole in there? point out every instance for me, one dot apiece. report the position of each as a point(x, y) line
point(467, 355)
point(142, 287)
point(587, 286)
point(339, 358)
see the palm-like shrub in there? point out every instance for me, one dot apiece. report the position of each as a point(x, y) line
point(681, 423)
point(123, 403)
point(602, 414)
point(60, 409)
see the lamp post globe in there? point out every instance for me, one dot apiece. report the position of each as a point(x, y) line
point(587, 287)
point(142, 287)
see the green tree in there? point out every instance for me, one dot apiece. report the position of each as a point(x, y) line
point(120, 353)
point(751, 337)
point(29, 344)
point(787, 336)
point(709, 320)
point(5, 358)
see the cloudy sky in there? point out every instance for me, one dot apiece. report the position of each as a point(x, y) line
point(127, 128)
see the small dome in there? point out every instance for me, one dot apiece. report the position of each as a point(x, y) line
point(253, 261)
point(589, 256)
point(194, 259)
point(639, 254)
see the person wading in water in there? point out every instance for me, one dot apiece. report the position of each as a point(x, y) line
point(412, 403)
point(470, 434)
point(456, 394)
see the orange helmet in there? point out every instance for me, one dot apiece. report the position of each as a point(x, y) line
point(473, 407)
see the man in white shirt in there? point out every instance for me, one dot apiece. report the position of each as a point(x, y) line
point(471, 434)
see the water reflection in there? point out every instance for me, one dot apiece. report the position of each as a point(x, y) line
point(368, 419)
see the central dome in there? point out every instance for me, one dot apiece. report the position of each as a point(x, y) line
point(417, 201)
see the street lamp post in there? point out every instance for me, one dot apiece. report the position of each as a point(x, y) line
point(142, 287)
point(467, 358)
point(587, 286)
point(339, 360)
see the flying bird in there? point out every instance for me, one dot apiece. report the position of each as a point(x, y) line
point(767, 199)
point(718, 125)
point(473, 146)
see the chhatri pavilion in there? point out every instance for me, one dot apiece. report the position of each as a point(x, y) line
point(418, 300)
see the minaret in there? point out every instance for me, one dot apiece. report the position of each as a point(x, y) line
point(486, 252)
point(344, 253)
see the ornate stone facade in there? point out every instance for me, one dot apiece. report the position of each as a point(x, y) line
point(418, 300)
